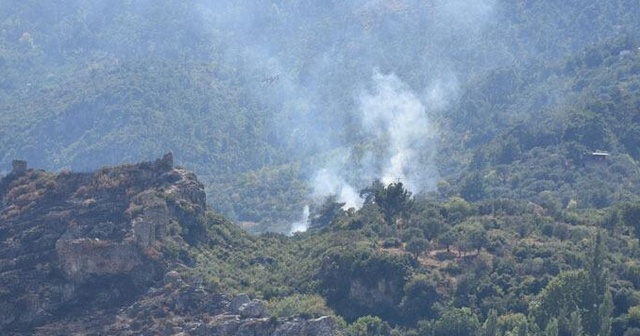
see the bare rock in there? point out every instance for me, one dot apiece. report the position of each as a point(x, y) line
point(295, 327)
point(84, 257)
point(253, 309)
point(237, 303)
point(172, 278)
point(322, 326)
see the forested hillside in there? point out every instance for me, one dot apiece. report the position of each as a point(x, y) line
point(131, 250)
point(259, 97)
point(458, 167)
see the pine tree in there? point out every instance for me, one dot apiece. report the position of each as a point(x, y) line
point(491, 324)
point(593, 319)
point(552, 328)
point(575, 324)
point(606, 309)
point(523, 329)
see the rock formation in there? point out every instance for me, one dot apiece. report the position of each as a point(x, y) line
point(88, 253)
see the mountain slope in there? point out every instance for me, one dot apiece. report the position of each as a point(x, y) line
point(97, 253)
point(255, 91)
point(130, 249)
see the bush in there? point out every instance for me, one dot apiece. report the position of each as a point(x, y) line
point(306, 306)
point(369, 326)
point(420, 296)
point(391, 243)
point(457, 322)
point(411, 233)
point(417, 246)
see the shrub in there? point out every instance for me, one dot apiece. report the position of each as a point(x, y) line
point(391, 243)
point(307, 306)
point(457, 321)
point(369, 326)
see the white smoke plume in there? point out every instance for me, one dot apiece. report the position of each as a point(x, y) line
point(402, 141)
point(303, 224)
point(317, 104)
point(391, 112)
point(327, 182)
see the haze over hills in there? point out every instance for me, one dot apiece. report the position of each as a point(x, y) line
point(457, 167)
point(279, 104)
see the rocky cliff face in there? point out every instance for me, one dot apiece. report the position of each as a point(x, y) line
point(94, 253)
point(73, 241)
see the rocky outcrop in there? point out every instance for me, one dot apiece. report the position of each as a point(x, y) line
point(95, 254)
point(76, 241)
point(82, 258)
point(179, 308)
point(182, 309)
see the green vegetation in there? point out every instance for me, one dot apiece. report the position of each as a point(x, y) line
point(533, 228)
point(512, 269)
point(540, 85)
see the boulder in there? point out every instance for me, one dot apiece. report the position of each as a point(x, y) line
point(253, 309)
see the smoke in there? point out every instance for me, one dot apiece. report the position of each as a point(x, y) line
point(331, 102)
point(322, 54)
point(400, 141)
point(392, 114)
point(303, 224)
point(328, 182)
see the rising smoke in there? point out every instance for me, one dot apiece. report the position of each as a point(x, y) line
point(391, 113)
point(328, 181)
point(401, 142)
point(403, 139)
point(319, 99)
point(303, 223)
point(361, 91)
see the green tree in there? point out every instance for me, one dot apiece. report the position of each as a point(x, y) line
point(448, 238)
point(510, 322)
point(564, 293)
point(588, 129)
point(630, 216)
point(430, 221)
point(416, 246)
point(584, 290)
point(552, 327)
point(575, 324)
point(394, 200)
point(490, 327)
point(477, 236)
point(611, 220)
point(457, 209)
point(432, 227)
point(420, 296)
point(523, 329)
point(605, 313)
point(370, 193)
point(595, 317)
point(457, 322)
point(369, 326)
point(324, 214)
point(411, 233)
point(473, 188)
point(633, 317)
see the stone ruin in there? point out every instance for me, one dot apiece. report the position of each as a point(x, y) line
point(19, 167)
